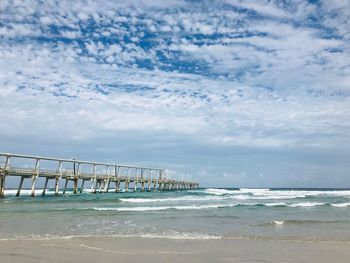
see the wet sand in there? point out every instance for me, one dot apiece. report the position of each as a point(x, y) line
point(125, 249)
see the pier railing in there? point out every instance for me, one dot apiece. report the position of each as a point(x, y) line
point(101, 175)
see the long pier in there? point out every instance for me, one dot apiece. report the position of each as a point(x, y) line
point(101, 175)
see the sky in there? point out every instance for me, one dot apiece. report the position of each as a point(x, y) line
point(227, 93)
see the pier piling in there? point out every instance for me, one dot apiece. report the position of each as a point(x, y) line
point(2, 185)
point(20, 186)
point(45, 186)
point(117, 185)
point(75, 185)
point(65, 186)
point(57, 181)
point(82, 185)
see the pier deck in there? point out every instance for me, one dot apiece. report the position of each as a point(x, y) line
point(101, 175)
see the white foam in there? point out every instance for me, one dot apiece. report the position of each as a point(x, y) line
point(253, 190)
point(300, 193)
point(132, 209)
point(275, 204)
point(266, 197)
point(216, 191)
point(11, 192)
point(341, 205)
point(306, 204)
point(27, 192)
point(176, 199)
point(277, 222)
point(258, 193)
point(156, 208)
point(261, 204)
point(330, 193)
point(188, 207)
point(217, 197)
point(182, 236)
point(241, 197)
point(267, 194)
point(170, 235)
point(279, 197)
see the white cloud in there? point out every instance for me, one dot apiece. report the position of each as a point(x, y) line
point(214, 76)
point(261, 7)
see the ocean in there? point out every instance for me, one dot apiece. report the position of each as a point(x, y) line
point(317, 215)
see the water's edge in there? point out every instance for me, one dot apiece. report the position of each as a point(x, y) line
point(302, 215)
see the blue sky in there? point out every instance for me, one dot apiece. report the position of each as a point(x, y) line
point(228, 93)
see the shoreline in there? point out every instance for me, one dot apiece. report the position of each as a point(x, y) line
point(180, 237)
point(131, 249)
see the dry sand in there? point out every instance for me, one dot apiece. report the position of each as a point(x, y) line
point(125, 249)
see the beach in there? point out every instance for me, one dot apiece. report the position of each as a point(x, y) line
point(175, 131)
point(204, 225)
point(124, 249)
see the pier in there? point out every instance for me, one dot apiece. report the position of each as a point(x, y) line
point(100, 175)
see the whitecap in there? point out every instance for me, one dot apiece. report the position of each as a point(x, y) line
point(253, 190)
point(170, 199)
point(275, 204)
point(28, 192)
point(182, 236)
point(218, 191)
point(290, 194)
point(155, 208)
point(277, 222)
point(306, 204)
point(341, 205)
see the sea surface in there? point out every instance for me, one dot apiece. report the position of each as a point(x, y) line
point(316, 215)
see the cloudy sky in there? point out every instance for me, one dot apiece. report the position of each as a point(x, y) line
point(229, 93)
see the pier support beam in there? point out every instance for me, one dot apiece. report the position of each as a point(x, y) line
point(82, 186)
point(107, 185)
point(126, 186)
point(101, 185)
point(3, 177)
point(149, 185)
point(91, 185)
point(32, 194)
point(155, 185)
point(75, 185)
point(94, 186)
point(57, 181)
point(34, 177)
point(2, 185)
point(117, 184)
point(45, 185)
point(65, 186)
point(20, 186)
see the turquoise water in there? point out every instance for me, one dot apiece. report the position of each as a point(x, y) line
point(282, 214)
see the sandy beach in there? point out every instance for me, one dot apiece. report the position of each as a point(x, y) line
point(175, 131)
point(205, 225)
point(125, 249)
